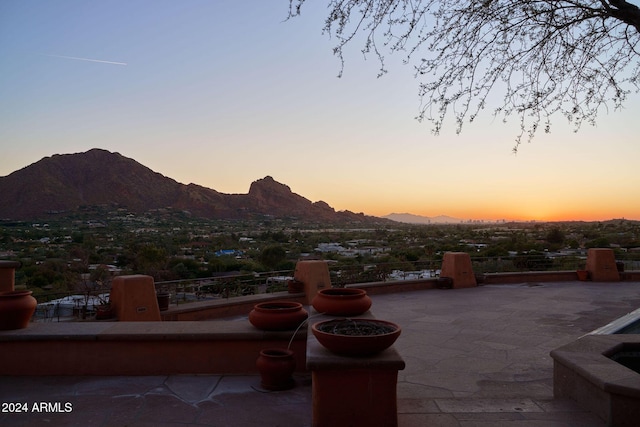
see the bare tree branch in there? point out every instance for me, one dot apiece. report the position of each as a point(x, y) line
point(531, 59)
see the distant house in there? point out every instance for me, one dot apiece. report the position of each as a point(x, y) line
point(229, 252)
point(413, 275)
point(109, 267)
point(351, 252)
point(330, 247)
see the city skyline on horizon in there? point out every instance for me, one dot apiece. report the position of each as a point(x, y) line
point(223, 94)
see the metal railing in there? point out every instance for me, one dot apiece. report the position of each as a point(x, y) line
point(406, 270)
point(224, 286)
point(230, 285)
point(59, 306)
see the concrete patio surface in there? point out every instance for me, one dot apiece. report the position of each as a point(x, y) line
point(480, 356)
point(474, 357)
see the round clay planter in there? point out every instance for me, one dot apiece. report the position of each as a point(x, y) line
point(16, 309)
point(356, 337)
point(277, 316)
point(276, 366)
point(341, 301)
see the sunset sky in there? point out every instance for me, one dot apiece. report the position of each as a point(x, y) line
point(222, 93)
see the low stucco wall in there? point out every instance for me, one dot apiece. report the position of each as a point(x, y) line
point(221, 308)
point(529, 276)
point(140, 348)
point(380, 288)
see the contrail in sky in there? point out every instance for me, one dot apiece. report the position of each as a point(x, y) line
point(86, 59)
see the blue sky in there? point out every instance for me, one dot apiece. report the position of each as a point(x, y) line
point(222, 93)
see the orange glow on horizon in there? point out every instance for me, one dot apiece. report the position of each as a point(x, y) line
point(558, 214)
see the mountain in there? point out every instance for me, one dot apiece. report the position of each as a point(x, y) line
point(64, 183)
point(417, 219)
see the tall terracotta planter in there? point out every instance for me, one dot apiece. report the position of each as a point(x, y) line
point(7, 275)
point(277, 315)
point(276, 366)
point(16, 309)
point(341, 301)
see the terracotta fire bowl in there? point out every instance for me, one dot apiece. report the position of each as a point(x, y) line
point(356, 337)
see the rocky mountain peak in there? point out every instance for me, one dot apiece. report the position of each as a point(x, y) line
point(268, 185)
point(64, 183)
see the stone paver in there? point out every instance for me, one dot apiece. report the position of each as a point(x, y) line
point(474, 357)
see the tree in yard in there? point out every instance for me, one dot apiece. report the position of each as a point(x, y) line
point(555, 236)
point(272, 256)
point(525, 58)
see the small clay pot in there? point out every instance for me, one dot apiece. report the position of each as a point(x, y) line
point(277, 315)
point(583, 275)
point(104, 312)
point(295, 286)
point(341, 301)
point(164, 298)
point(276, 366)
point(444, 283)
point(16, 309)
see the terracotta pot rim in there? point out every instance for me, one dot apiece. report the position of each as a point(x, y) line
point(15, 293)
point(342, 292)
point(276, 352)
point(277, 307)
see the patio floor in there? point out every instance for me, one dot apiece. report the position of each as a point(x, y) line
point(474, 357)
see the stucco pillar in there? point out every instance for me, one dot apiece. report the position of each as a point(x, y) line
point(8, 275)
point(134, 298)
point(601, 265)
point(354, 397)
point(353, 391)
point(457, 266)
point(315, 276)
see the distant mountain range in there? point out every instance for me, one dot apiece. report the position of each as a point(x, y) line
point(417, 219)
point(64, 183)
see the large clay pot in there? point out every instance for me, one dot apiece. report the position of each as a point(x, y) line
point(277, 315)
point(341, 301)
point(276, 366)
point(16, 309)
point(356, 337)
